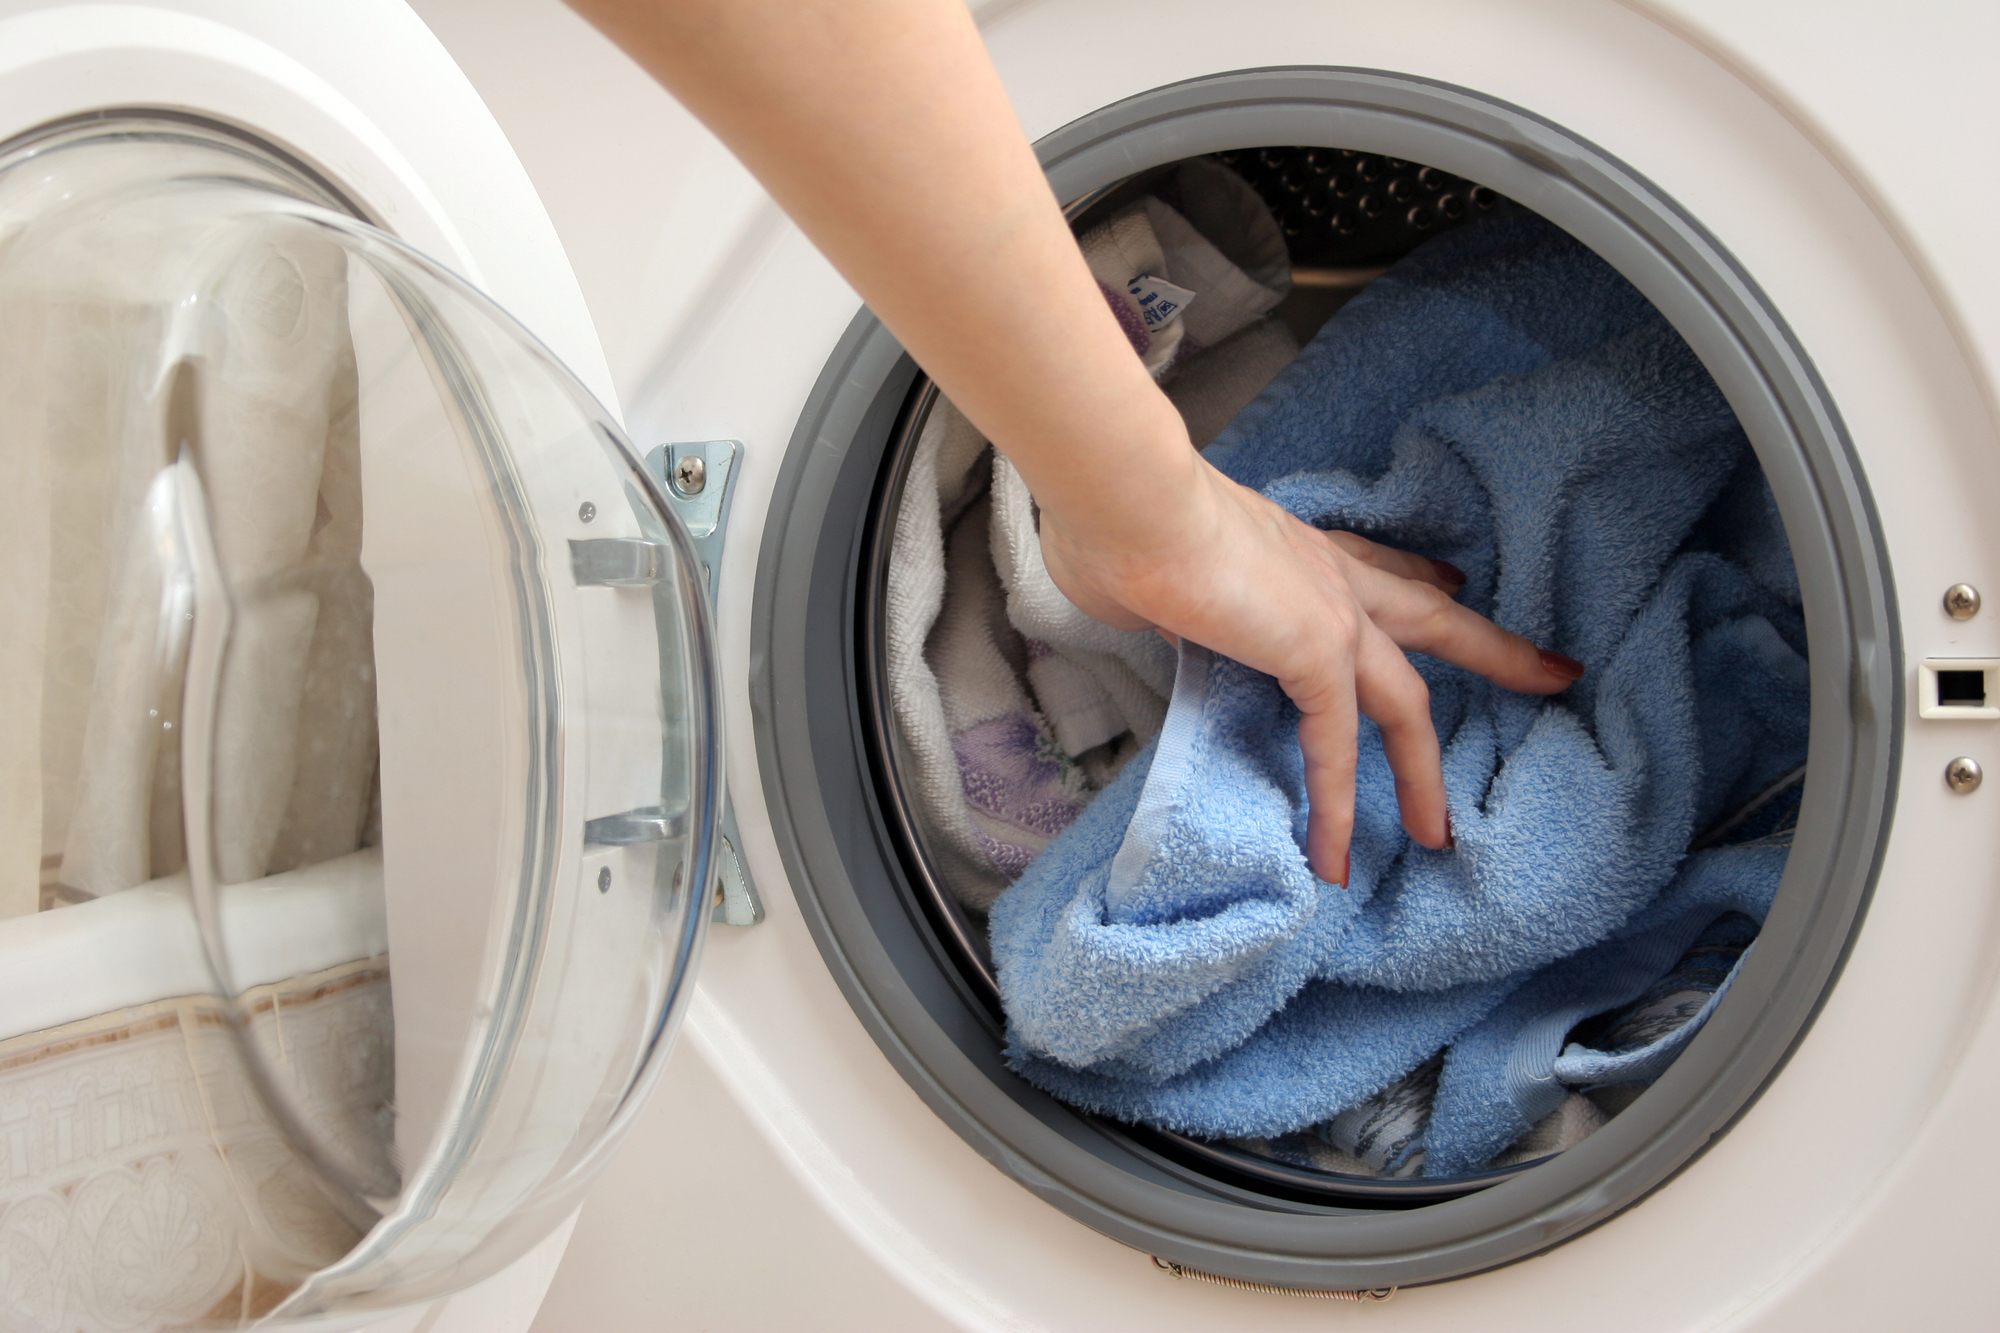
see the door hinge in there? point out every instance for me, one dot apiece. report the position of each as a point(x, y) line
point(699, 479)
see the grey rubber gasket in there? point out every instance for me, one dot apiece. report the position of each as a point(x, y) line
point(845, 865)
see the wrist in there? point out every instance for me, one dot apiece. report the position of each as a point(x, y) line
point(1125, 488)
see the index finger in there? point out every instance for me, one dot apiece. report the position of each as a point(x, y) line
point(1422, 618)
point(1395, 560)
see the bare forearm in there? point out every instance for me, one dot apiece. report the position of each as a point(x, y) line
point(882, 129)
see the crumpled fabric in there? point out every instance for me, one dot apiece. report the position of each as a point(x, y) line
point(1503, 400)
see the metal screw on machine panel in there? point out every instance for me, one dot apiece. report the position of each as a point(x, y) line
point(1962, 775)
point(690, 475)
point(604, 879)
point(586, 511)
point(1962, 601)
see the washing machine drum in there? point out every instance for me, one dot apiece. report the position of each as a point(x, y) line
point(1355, 169)
point(359, 743)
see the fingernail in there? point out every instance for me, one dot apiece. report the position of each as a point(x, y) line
point(1558, 665)
point(1346, 868)
point(1449, 841)
point(1451, 574)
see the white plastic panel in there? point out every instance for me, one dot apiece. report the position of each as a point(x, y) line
point(1794, 1218)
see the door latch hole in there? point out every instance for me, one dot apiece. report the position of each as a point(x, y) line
point(1957, 688)
point(1962, 689)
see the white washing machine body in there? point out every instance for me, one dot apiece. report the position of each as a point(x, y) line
point(788, 1173)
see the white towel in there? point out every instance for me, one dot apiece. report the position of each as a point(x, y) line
point(1210, 389)
point(1103, 681)
point(1012, 706)
point(941, 473)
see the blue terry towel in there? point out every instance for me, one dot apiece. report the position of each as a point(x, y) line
point(1503, 400)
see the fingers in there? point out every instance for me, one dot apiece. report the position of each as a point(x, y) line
point(1391, 692)
point(1443, 628)
point(1424, 618)
point(1329, 728)
point(1403, 564)
point(1388, 689)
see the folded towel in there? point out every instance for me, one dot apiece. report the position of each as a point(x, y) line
point(1503, 400)
point(1012, 707)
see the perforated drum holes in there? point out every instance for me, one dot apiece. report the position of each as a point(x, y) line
point(1340, 206)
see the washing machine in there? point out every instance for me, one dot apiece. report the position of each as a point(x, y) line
point(1770, 182)
point(837, 1140)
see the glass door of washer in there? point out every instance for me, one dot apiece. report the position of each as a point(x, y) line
point(359, 752)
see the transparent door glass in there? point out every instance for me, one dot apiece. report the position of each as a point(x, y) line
point(359, 752)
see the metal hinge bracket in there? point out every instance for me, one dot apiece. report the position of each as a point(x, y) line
point(736, 900)
point(699, 477)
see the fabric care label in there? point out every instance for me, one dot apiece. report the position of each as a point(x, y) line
point(1160, 302)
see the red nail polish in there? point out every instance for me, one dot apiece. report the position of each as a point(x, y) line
point(1451, 574)
point(1558, 665)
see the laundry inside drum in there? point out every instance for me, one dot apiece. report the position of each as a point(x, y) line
point(1107, 833)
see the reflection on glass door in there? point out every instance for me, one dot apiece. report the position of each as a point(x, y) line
point(310, 691)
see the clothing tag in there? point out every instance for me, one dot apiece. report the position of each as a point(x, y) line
point(1160, 302)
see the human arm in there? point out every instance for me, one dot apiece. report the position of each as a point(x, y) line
point(882, 128)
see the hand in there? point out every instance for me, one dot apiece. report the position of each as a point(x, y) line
point(1327, 613)
point(884, 130)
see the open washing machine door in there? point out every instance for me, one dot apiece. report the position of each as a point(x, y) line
point(362, 775)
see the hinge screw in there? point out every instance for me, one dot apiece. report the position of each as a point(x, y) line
point(1962, 775)
point(691, 474)
point(1962, 601)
